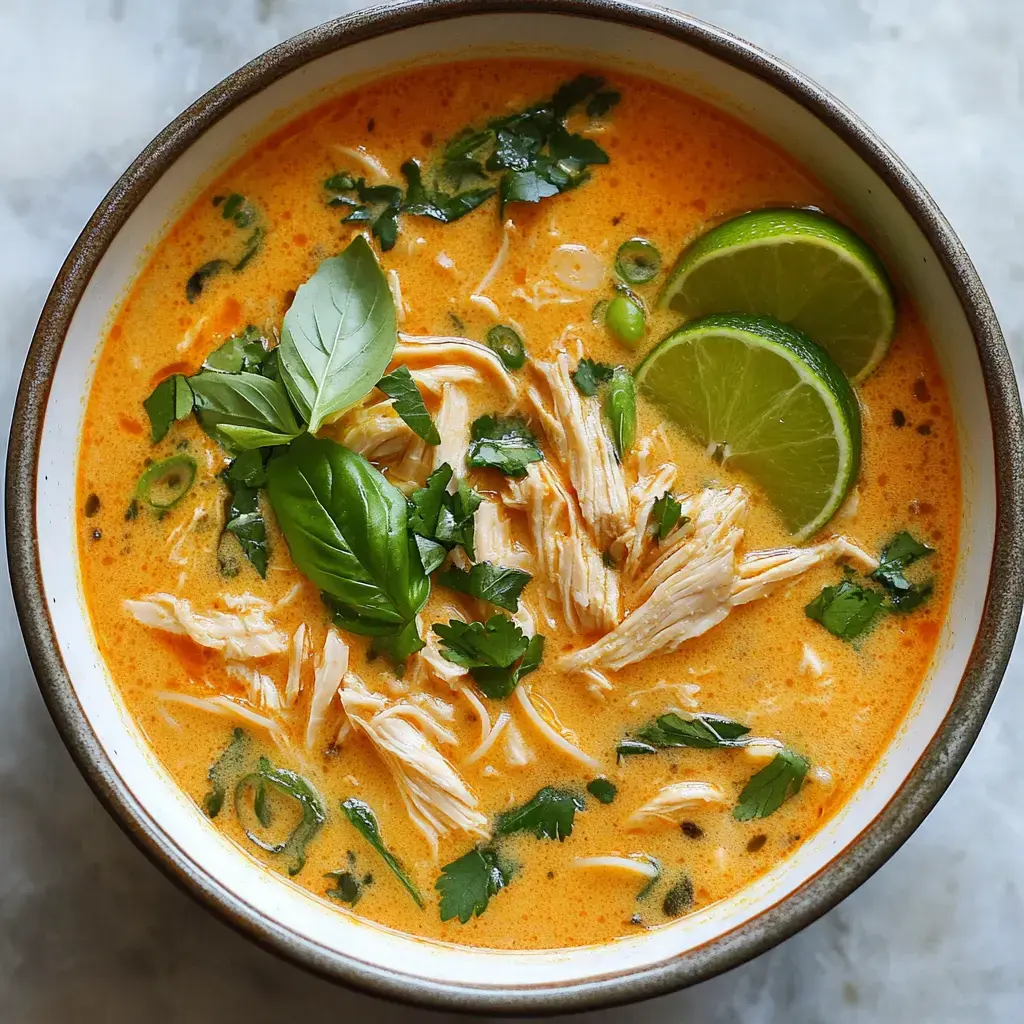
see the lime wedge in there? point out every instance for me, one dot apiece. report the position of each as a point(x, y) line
point(797, 266)
point(765, 400)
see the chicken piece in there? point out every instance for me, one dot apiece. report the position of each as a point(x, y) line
point(760, 572)
point(330, 669)
point(493, 537)
point(672, 802)
point(568, 567)
point(297, 655)
point(453, 426)
point(260, 688)
point(434, 378)
point(687, 594)
point(228, 707)
point(376, 432)
point(426, 350)
point(638, 538)
point(541, 715)
point(585, 448)
point(436, 798)
point(242, 633)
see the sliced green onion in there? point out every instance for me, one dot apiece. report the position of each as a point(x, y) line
point(166, 482)
point(637, 261)
point(597, 314)
point(626, 321)
point(505, 341)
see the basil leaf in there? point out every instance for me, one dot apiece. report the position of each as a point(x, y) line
point(244, 517)
point(432, 554)
point(347, 530)
point(243, 214)
point(225, 771)
point(846, 610)
point(171, 400)
point(665, 513)
point(365, 823)
point(408, 403)
point(456, 524)
point(590, 375)
point(247, 469)
point(425, 504)
point(486, 582)
point(197, 281)
point(243, 410)
point(705, 732)
point(504, 443)
point(549, 815)
point(245, 351)
point(338, 335)
point(467, 884)
point(602, 789)
point(766, 791)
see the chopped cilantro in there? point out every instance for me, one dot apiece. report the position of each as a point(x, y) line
point(666, 514)
point(445, 519)
point(504, 443)
point(549, 815)
point(486, 582)
point(769, 788)
point(704, 732)
point(589, 375)
point(845, 610)
point(902, 551)
point(497, 652)
point(679, 898)
point(467, 884)
point(602, 790)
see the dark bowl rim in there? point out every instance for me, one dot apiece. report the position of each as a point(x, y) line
point(853, 865)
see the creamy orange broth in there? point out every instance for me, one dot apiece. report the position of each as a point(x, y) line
point(676, 166)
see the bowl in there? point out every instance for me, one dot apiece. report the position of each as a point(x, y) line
point(880, 194)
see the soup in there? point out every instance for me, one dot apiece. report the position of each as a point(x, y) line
point(462, 560)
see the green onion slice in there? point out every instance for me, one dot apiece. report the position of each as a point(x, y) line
point(637, 261)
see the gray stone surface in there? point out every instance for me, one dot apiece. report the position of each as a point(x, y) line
point(89, 930)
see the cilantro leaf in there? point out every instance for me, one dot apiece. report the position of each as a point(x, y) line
point(377, 205)
point(602, 102)
point(504, 443)
point(602, 790)
point(456, 525)
point(491, 651)
point(486, 582)
point(590, 375)
point(425, 504)
point(570, 94)
point(364, 821)
point(549, 815)
point(170, 400)
point(704, 732)
point(467, 884)
point(902, 551)
point(435, 203)
point(845, 610)
point(446, 519)
point(408, 403)
point(767, 790)
point(679, 898)
point(665, 514)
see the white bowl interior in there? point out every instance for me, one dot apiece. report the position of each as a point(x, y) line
point(753, 101)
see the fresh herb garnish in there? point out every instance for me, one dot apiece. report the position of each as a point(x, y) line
point(224, 771)
point(486, 582)
point(505, 341)
point(602, 790)
point(629, 747)
point(435, 202)
point(902, 551)
point(347, 531)
point(241, 411)
point(620, 408)
point(602, 102)
point(166, 482)
point(679, 898)
point(338, 335)
point(705, 732)
point(408, 403)
point(348, 887)
point(665, 514)
point(496, 652)
point(170, 400)
point(590, 375)
point(244, 215)
point(244, 517)
point(549, 815)
point(504, 443)
point(845, 610)
point(467, 884)
point(637, 261)
point(244, 352)
point(363, 819)
point(766, 791)
point(376, 205)
point(441, 519)
point(295, 787)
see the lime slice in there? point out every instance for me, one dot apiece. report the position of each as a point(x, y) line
point(765, 400)
point(799, 267)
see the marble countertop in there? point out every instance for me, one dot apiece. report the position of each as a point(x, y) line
point(89, 930)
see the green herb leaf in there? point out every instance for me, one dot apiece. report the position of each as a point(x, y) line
point(486, 582)
point(171, 400)
point(525, 187)
point(196, 283)
point(705, 732)
point(590, 375)
point(630, 748)
point(347, 887)
point(456, 524)
point(602, 790)
point(491, 651)
point(363, 819)
point(467, 884)
point(408, 403)
point(225, 771)
point(425, 504)
point(620, 408)
point(243, 214)
point(243, 410)
point(346, 528)
point(766, 791)
point(248, 469)
point(665, 513)
point(549, 815)
point(448, 519)
point(503, 443)
point(338, 335)
point(845, 610)
point(679, 898)
point(294, 786)
point(435, 203)
point(244, 517)
point(241, 352)
point(432, 554)
point(602, 102)
point(902, 551)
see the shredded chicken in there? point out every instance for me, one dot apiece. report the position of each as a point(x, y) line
point(638, 864)
point(517, 753)
point(638, 538)
point(484, 748)
point(429, 349)
point(499, 261)
point(376, 432)
point(229, 708)
point(239, 634)
point(180, 535)
point(453, 426)
point(370, 165)
point(297, 655)
point(811, 663)
point(687, 593)
point(434, 378)
point(543, 718)
point(261, 690)
point(672, 802)
point(583, 444)
point(331, 666)
point(437, 799)
point(395, 285)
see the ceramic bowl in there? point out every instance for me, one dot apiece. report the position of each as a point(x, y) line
point(899, 218)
